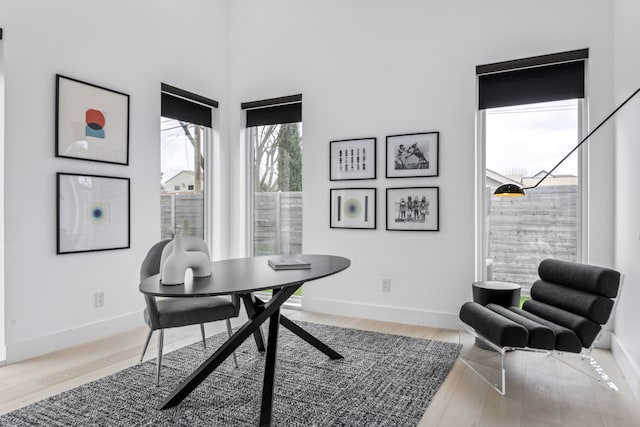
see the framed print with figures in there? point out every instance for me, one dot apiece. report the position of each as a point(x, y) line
point(413, 209)
point(412, 155)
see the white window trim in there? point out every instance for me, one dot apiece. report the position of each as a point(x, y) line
point(209, 191)
point(249, 221)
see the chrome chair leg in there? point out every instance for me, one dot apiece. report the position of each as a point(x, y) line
point(146, 344)
point(160, 344)
point(204, 341)
point(230, 332)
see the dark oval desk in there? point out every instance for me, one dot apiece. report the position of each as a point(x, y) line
point(242, 277)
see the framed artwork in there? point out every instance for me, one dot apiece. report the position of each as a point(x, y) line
point(353, 208)
point(352, 159)
point(92, 122)
point(92, 213)
point(412, 155)
point(413, 209)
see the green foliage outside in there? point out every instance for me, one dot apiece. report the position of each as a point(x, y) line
point(289, 158)
point(278, 158)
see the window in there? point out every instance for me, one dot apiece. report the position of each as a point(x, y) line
point(524, 133)
point(274, 129)
point(185, 147)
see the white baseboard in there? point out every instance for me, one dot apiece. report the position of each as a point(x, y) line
point(410, 316)
point(59, 340)
point(627, 366)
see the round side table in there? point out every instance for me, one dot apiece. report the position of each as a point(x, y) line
point(506, 294)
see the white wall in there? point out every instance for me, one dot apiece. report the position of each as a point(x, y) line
point(128, 46)
point(364, 69)
point(625, 343)
point(371, 69)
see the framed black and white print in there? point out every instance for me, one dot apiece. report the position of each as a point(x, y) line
point(412, 155)
point(353, 208)
point(92, 122)
point(352, 159)
point(92, 213)
point(413, 209)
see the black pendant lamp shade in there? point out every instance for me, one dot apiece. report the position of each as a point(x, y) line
point(509, 190)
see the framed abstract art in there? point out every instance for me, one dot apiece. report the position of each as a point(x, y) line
point(92, 213)
point(92, 122)
point(353, 208)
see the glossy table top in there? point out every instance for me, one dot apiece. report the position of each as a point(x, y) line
point(243, 275)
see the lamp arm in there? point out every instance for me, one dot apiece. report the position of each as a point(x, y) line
point(585, 139)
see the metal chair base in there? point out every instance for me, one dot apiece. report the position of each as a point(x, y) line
point(161, 345)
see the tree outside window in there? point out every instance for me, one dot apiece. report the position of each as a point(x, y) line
point(277, 189)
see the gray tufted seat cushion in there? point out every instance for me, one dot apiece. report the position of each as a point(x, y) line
point(498, 329)
point(587, 305)
point(586, 330)
point(540, 336)
point(174, 312)
point(589, 278)
point(566, 339)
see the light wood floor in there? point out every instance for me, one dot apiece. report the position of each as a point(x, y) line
point(540, 391)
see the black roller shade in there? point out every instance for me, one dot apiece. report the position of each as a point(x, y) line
point(273, 111)
point(532, 85)
point(186, 106)
point(533, 61)
point(541, 78)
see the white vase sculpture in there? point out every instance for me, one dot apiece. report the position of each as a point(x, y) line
point(182, 253)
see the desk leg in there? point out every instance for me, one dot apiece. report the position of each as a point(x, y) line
point(287, 323)
point(252, 311)
point(270, 368)
point(315, 342)
point(209, 365)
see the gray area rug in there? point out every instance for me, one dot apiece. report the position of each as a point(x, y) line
point(383, 380)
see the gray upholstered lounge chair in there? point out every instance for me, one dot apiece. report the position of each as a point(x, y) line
point(568, 307)
point(165, 313)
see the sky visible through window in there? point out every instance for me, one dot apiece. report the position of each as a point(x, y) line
point(523, 140)
point(177, 150)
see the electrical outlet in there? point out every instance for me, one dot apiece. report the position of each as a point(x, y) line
point(386, 285)
point(98, 299)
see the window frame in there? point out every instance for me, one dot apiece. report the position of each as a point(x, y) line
point(280, 110)
point(481, 202)
point(208, 192)
point(295, 301)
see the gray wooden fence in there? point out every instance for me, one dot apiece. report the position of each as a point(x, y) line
point(525, 230)
point(522, 230)
point(277, 226)
point(182, 213)
point(277, 223)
